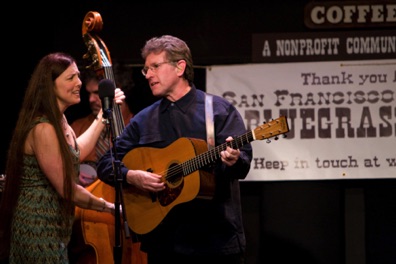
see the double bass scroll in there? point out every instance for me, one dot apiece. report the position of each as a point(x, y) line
point(100, 60)
point(97, 230)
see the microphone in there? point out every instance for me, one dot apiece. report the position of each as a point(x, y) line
point(106, 94)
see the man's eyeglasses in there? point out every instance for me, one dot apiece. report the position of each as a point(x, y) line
point(154, 67)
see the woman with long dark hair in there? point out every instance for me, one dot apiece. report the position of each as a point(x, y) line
point(40, 193)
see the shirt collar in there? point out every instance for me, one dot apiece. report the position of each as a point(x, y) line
point(183, 103)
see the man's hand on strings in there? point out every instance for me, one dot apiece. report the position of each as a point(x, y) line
point(145, 180)
point(230, 156)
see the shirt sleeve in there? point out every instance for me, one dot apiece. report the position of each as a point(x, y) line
point(229, 122)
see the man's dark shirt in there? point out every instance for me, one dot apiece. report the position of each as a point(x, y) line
point(200, 226)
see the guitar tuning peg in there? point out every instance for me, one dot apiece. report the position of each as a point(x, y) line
point(276, 138)
point(284, 136)
point(268, 140)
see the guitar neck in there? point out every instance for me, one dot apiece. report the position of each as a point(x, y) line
point(209, 157)
point(264, 131)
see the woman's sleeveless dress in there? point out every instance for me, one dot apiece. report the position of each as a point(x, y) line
point(39, 233)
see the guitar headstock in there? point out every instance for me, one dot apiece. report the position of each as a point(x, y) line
point(271, 129)
point(98, 54)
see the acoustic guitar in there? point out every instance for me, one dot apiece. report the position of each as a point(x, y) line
point(182, 165)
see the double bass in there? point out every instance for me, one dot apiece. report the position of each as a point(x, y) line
point(94, 234)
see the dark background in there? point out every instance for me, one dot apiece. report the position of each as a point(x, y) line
point(326, 222)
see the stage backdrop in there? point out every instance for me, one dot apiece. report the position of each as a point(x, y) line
point(341, 115)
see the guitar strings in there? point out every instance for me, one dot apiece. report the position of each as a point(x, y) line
point(279, 126)
point(203, 159)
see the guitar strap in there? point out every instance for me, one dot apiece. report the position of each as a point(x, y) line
point(209, 121)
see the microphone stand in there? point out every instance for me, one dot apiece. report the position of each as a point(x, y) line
point(119, 202)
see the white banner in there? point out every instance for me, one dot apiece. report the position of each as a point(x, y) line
point(341, 116)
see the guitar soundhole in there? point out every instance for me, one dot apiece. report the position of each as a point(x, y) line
point(174, 185)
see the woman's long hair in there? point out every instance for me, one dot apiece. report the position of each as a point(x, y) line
point(39, 101)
